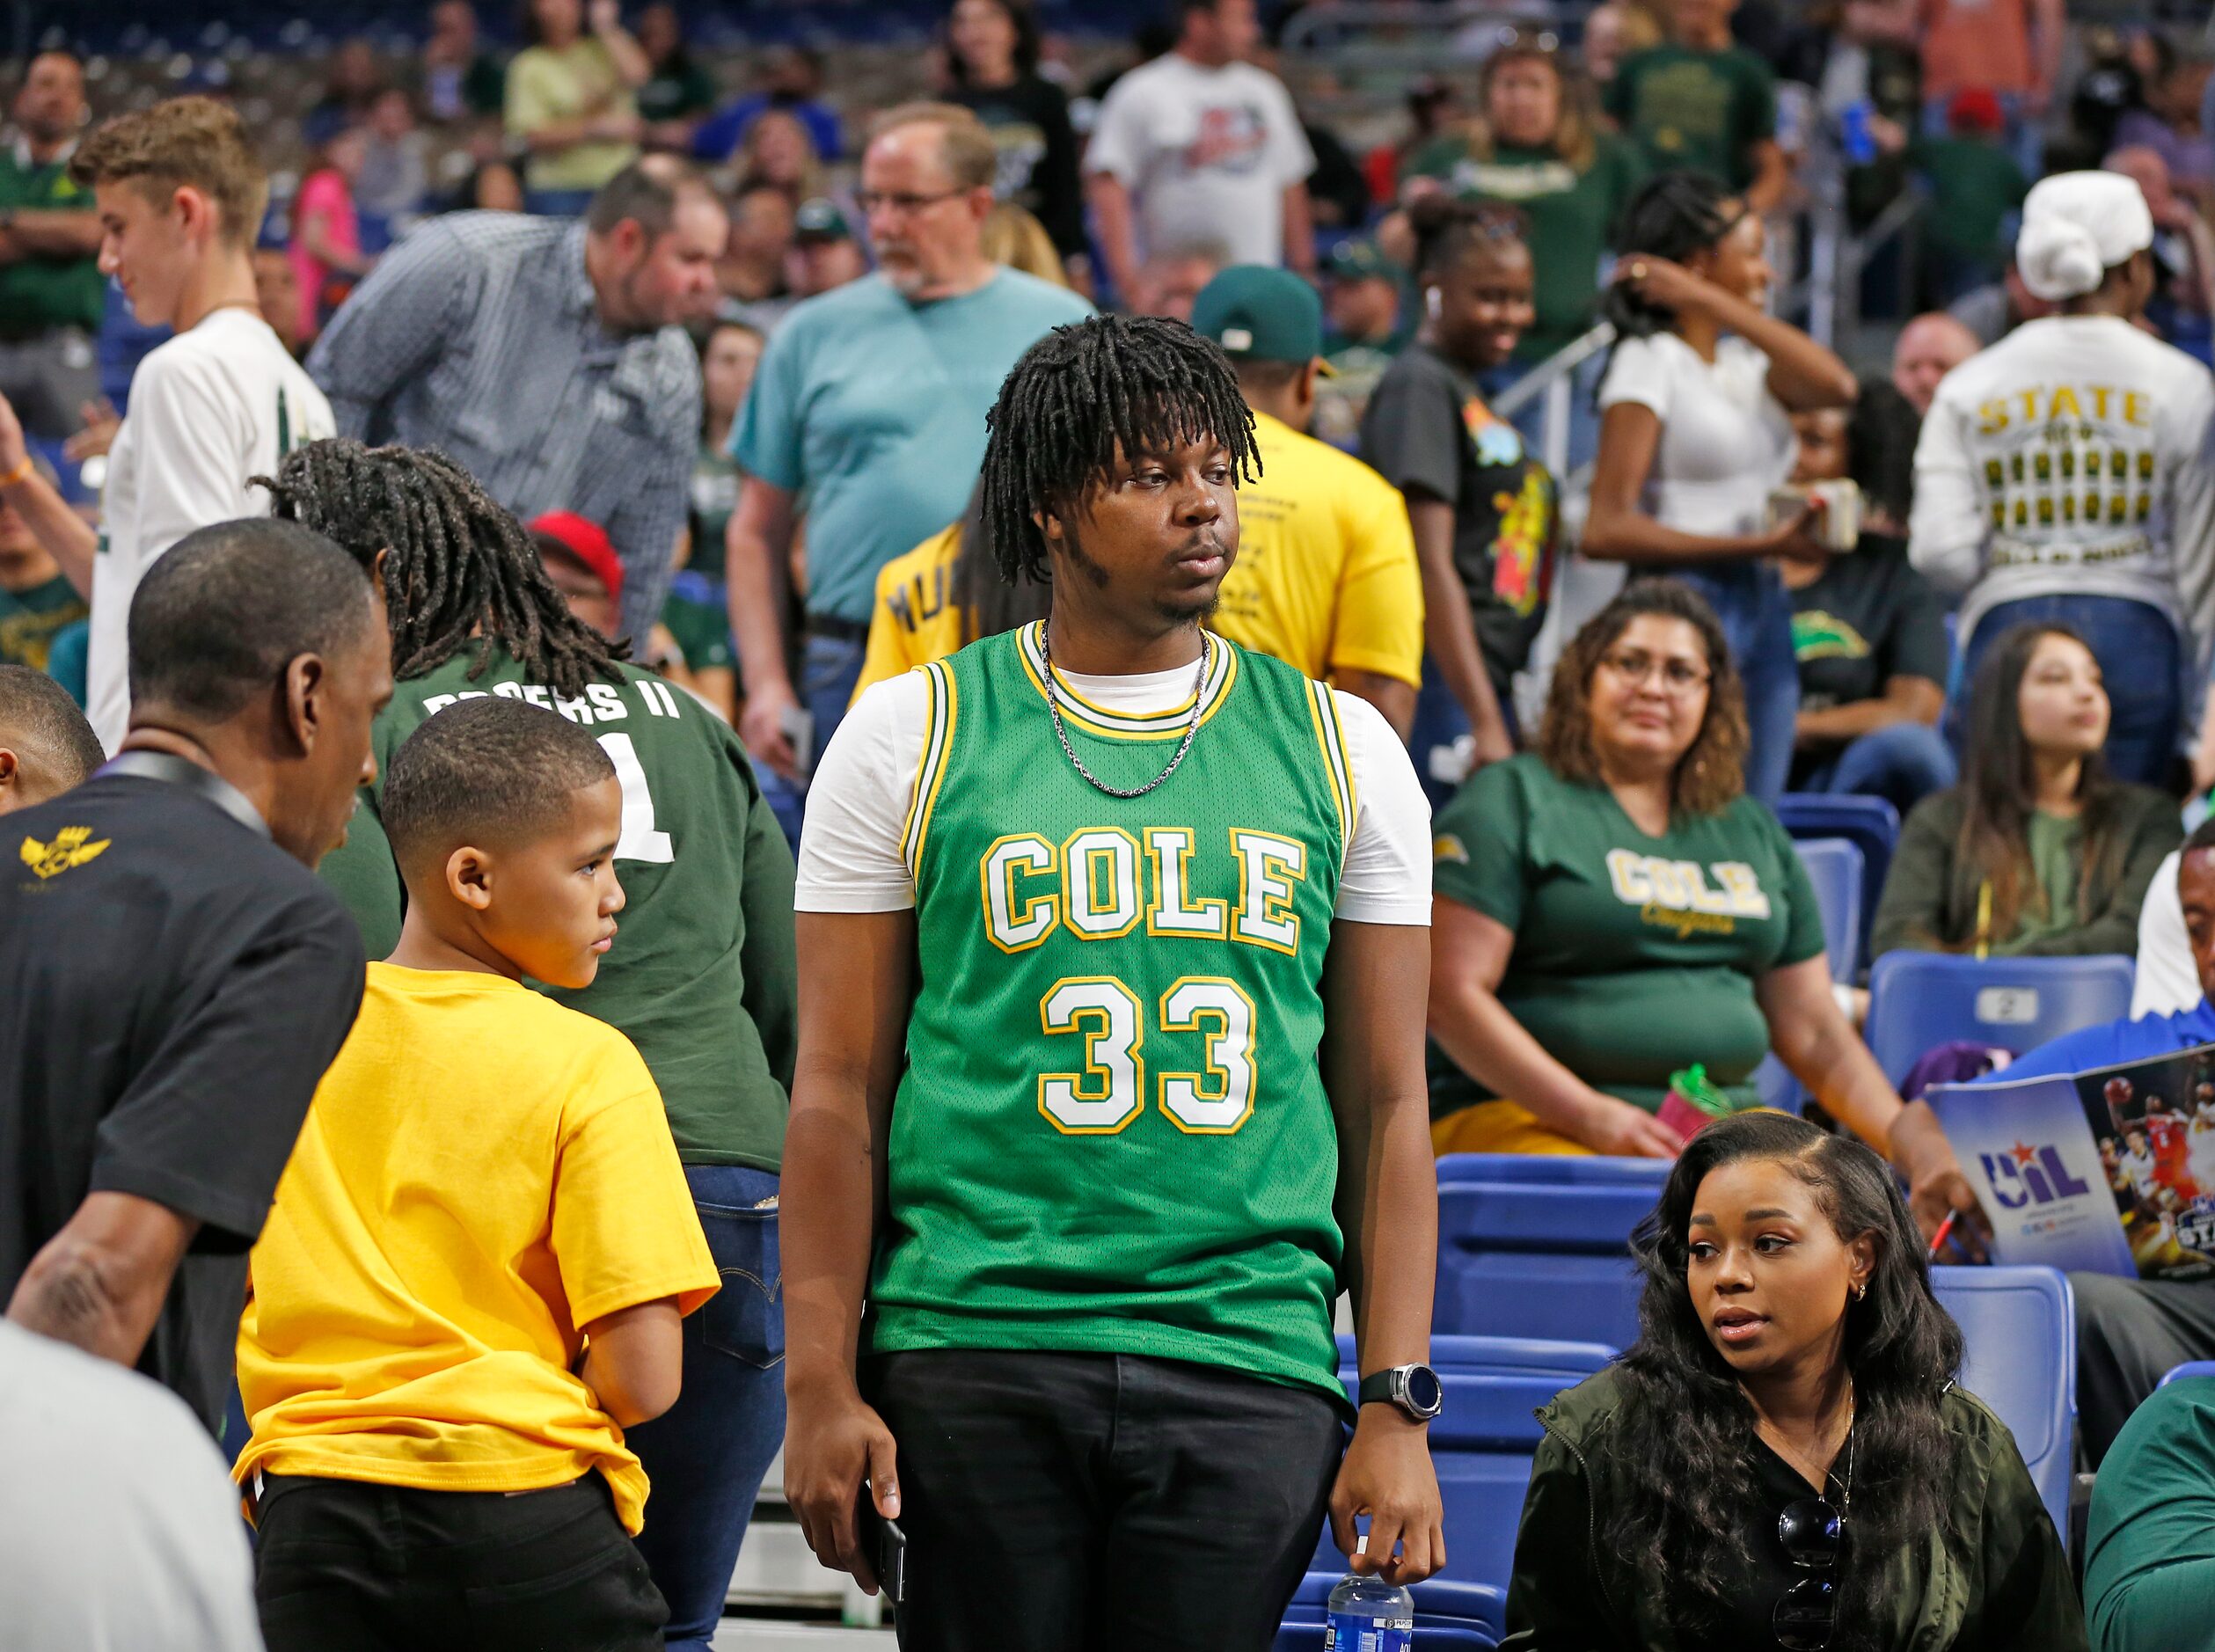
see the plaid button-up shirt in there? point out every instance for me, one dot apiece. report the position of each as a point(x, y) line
point(479, 335)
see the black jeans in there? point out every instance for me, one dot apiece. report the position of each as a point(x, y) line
point(2131, 1333)
point(343, 1566)
point(1061, 1501)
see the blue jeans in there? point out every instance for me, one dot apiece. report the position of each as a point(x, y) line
point(1756, 614)
point(1903, 764)
point(705, 1456)
point(2140, 655)
point(829, 669)
point(558, 203)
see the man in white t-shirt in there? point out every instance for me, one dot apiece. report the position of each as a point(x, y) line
point(181, 194)
point(1199, 147)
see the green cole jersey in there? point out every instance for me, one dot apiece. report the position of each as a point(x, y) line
point(701, 977)
point(1111, 1135)
point(1634, 956)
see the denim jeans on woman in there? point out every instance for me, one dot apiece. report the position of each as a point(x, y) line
point(705, 1456)
point(1756, 612)
point(1902, 762)
point(2141, 659)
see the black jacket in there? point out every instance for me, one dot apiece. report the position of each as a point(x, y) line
point(2001, 1584)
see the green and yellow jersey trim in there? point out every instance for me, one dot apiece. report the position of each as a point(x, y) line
point(938, 742)
point(1114, 725)
point(1330, 736)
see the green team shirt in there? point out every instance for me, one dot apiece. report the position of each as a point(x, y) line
point(701, 977)
point(1111, 1135)
point(1634, 956)
point(1571, 214)
point(30, 617)
point(1700, 112)
point(38, 293)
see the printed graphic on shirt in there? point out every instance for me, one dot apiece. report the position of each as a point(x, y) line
point(1017, 148)
point(1677, 894)
point(922, 598)
point(69, 849)
point(1231, 138)
point(1682, 106)
point(1818, 634)
point(1521, 577)
point(2069, 457)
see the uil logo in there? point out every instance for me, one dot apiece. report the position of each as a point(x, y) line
point(68, 848)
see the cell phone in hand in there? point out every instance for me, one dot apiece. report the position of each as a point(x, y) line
point(886, 1545)
point(799, 726)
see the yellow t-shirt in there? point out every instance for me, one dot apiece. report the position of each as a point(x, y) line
point(914, 620)
point(1326, 578)
point(543, 86)
point(482, 1170)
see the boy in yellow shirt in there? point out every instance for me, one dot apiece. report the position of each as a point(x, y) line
point(471, 1280)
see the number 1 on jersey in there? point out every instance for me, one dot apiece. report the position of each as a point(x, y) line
point(640, 841)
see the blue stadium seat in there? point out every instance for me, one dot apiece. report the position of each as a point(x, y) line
point(1918, 1000)
point(1456, 1615)
point(1835, 867)
point(1538, 1245)
point(2021, 1327)
point(2196, 1367)
point(1871, 824)
point(1482, 1449)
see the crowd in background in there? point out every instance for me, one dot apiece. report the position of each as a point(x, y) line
point(728, 349)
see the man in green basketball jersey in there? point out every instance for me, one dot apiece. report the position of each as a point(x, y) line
point(700, 979)
point(1145, 915)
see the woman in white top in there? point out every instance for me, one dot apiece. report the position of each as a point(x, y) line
point(2065, 476)
point(1696, 428)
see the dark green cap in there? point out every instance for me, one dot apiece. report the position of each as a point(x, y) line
point(819, 219)
point(1361, 261)
point(1270, 315)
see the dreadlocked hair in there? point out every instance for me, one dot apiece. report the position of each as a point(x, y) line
point(1082, 393)
point(457, 566)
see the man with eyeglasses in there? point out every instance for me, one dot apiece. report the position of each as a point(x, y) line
point(870, 404)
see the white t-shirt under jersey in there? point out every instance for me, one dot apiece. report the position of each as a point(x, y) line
point(2015, 432)
point(857, 802)
point(211, 407)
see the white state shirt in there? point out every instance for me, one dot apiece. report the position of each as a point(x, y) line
point(849, 859)
point(1206, 153)
point(2006, 502)
point(209, 408)
point(1725, 440)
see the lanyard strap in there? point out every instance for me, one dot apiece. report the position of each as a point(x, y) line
point(175, 770)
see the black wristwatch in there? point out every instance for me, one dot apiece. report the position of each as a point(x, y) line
point(1414, 1389)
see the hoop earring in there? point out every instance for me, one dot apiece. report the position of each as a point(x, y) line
point(1860, 1290)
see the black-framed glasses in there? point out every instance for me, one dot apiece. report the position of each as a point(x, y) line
point(870, 200)
point(1811, 1533)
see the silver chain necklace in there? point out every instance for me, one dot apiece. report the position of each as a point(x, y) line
point(1054, 709)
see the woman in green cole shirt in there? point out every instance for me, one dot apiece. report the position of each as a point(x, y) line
point(2036, 852)
point(1783, 1458)
point(1612, 908)
point(1538, 149)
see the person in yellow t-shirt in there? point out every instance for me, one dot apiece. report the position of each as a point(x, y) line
point(471, 1280)
point(572, 101)
point(941, 598)
point(1325, 577)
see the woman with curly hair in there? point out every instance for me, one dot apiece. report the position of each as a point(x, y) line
point(1612, 909)
point(1783, 1458)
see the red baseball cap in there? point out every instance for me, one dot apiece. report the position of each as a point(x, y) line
point(1975, 109)
point(587, 541)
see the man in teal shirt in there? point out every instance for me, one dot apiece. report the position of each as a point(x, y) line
point(870, 406)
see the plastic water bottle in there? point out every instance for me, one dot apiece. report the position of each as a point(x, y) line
point(1367, 1614)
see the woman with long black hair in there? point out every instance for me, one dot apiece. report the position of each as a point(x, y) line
point(991, 58)
point(1784, 1459)
point(2038, 851)
point(1696, 430)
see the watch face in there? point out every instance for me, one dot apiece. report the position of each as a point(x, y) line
point(1424, 1392)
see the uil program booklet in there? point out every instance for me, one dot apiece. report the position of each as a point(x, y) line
point(2111, 1170)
